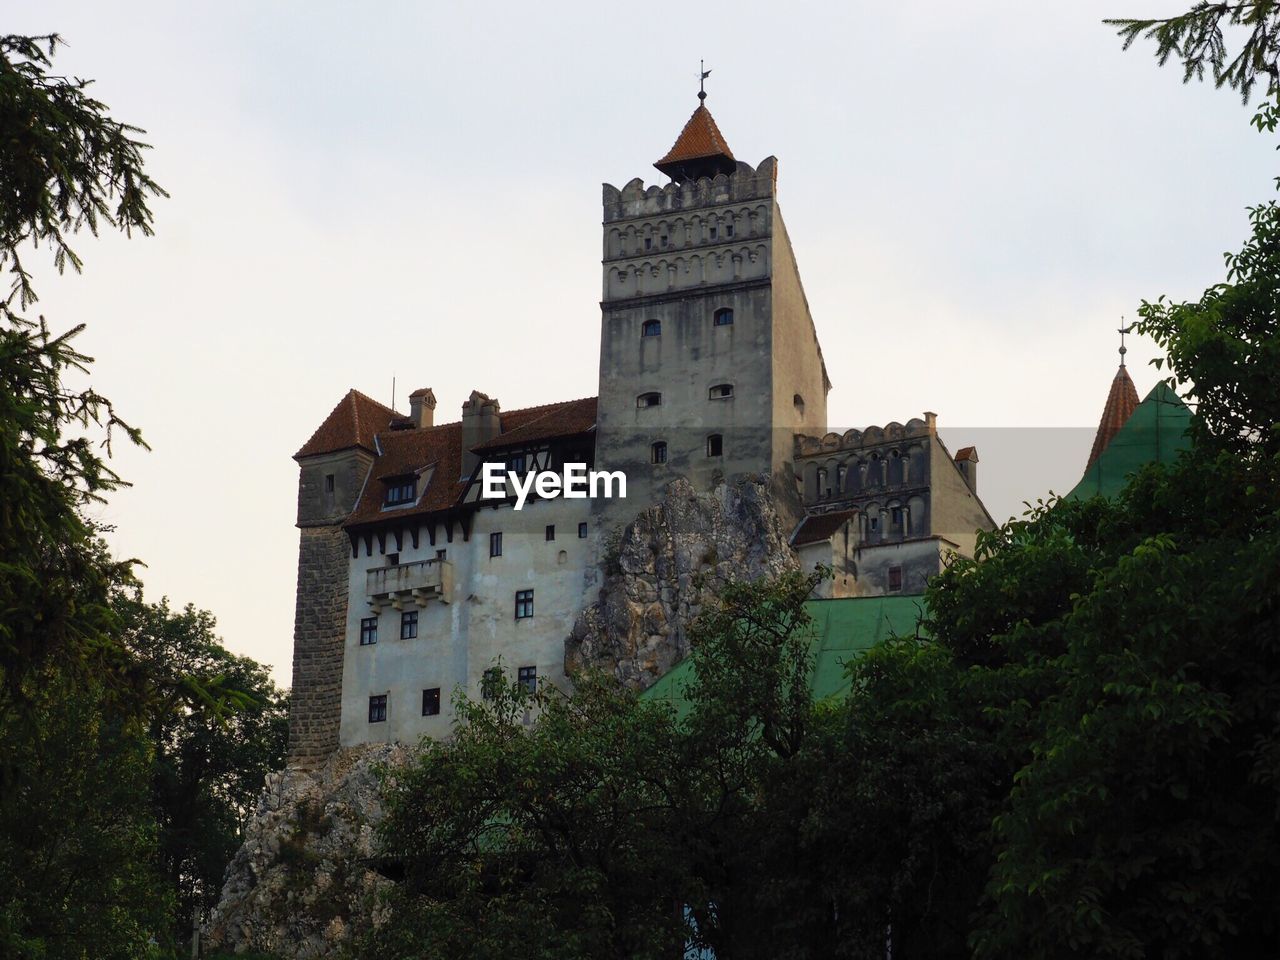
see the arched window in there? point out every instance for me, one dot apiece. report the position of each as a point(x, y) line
point(651, 328)
point(798, 402)
point(715, 445)
point(723, 317)
point(840, 472)
point(658, 452)
point(649, 400)
point(721, 391)
point(822, 483)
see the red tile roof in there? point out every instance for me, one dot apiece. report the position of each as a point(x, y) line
point(967, 453)
point(1122, 400)
point(700, 139)
point(352, 423)
point(820, 526)
point(534, 424)
point(412, 452)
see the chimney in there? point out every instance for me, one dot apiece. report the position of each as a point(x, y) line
point(480, 422)
point(422, 407)
point(967, 461)
point(931, 421)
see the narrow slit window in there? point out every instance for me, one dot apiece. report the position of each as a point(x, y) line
point(495, 544)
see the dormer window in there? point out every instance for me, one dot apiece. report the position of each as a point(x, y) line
point(649, 400)
point(401, 490)
point(723, 317)
point(651, 328)
point(721, 391)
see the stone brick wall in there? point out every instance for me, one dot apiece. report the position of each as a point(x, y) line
point(319, 632)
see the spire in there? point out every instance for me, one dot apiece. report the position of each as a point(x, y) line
point(700, 150)
point(1121, 402)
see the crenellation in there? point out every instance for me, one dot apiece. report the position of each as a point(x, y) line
point(636, 201)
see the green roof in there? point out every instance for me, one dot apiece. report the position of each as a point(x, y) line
point(1156, 432)
point(841, 629)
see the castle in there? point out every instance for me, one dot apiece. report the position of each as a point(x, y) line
point(412, 585)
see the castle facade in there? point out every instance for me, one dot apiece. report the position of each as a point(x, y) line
point(412, 585)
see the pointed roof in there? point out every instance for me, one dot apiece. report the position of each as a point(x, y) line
point(352, 423)
point(699, 151)
point(1155, 432)
point(1122, 400)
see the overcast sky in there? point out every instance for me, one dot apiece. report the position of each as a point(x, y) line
point(976, 194)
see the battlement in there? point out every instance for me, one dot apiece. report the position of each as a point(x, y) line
point(809, 446)
point(635, 200)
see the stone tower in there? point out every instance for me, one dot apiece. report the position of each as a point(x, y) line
point(333, 466)
point(709, 361)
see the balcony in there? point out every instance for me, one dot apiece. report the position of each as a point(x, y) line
point(415, 583)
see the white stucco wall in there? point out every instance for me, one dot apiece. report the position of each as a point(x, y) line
point(459, 640)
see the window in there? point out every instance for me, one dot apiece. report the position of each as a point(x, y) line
point(495, 544)
point(401, 490)
point(440, 554)
point(368, 631)
point(489, 681)
point(875, 523)
point(393, 559)
point(662, 240)
point(798, 402)
point(582, 530)
point(524, 604)
point(728, 229)
point(551, 531)
point(840, 472)
point(528, 677)
point(721, 391)
point(658, 452)
point(715, 445)
point(431, 702)
point(723, 317)
point(648, 400)
point(648, 243)
point(895, 579)
point(651, 328)
point(515, 463)
point(408, 624)
point(378, 708)
point(712, 233)
point(895, 518)
point(328, 483)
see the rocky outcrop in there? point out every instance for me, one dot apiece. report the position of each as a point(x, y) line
point(662, 561)
point(297, 887)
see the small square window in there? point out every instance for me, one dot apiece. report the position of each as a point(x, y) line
point(378, 708)
point(524, 604)
point(431, 702)
point(895, 579)
point(582, 531)
point(368, 631)
point(495, 544)
point(528, 677)
point(721, 391)
point(408, 624)
point(393, 559)
point(723, 317)
point(440, 554)
point(551, 531)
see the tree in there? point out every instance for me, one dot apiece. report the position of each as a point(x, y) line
point(208, 760)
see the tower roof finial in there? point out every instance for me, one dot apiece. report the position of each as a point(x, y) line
point(1122, 331)
point(703, 73)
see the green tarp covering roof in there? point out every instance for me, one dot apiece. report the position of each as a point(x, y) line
point(841, 629)
point(1156, 432)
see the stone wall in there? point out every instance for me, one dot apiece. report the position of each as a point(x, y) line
point(319, 631)
point(662, 561)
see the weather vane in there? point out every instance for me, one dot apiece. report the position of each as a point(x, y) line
point(1122, 331)
point(702, 80)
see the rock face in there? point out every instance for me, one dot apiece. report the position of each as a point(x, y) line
point(663, 559)
point(296, 887)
